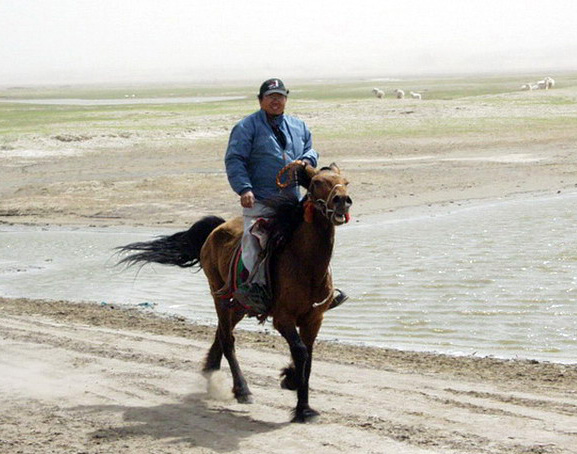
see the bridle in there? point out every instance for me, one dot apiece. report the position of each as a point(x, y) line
point(321, 204)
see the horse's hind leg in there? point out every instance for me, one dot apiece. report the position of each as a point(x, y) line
point(224, 345)
point(228, 319)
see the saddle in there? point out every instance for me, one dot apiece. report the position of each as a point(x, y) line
point(240, 293)
point(256, 300)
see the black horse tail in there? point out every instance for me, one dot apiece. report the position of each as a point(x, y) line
point(180, 249)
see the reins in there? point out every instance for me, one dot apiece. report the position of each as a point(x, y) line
point(292, 178)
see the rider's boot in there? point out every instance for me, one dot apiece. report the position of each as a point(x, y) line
point(339, 298)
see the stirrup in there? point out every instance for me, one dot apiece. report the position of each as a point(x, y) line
point(339, 298)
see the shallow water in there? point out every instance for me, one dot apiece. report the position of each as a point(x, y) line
point(493, 279)
point(122, 101)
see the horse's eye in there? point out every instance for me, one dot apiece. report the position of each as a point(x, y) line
point(342, 199)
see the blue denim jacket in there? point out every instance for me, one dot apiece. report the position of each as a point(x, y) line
point(254, 155)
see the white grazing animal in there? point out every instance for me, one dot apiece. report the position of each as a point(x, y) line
point(549, 82)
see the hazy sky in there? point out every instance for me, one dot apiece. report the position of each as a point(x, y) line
point(64, 41)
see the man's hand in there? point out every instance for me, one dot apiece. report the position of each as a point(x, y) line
point(247, 199)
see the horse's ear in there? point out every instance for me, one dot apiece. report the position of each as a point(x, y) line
point(305, 174)
point(332, 168)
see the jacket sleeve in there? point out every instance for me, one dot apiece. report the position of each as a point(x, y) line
point(237, 157)
point(309, 152)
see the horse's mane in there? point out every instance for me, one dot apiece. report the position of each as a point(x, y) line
point(288, 212)
point(287, 215)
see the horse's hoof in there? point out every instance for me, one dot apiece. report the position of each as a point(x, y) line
point(288, 379)
point(305, 415)
point(245, 399)
point(288, 384)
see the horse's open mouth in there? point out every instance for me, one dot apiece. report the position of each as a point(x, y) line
point(339, 219)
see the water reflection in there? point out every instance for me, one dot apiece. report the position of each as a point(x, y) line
point(496, 279)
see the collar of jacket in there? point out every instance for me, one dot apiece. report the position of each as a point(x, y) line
point(278, 119)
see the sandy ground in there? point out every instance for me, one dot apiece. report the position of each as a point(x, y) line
point(90, 379)
point(80, 378)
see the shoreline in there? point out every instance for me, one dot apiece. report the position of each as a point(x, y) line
point(403, 214)
point(133, 318)
point(396, 212)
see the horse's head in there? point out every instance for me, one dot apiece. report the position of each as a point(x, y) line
point(327, 192)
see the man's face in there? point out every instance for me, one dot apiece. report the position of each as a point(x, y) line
point(273, 104)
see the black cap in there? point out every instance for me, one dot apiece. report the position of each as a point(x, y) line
point(272, 86)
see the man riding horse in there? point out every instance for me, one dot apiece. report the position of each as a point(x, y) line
point(260, 145)
point(301, 232)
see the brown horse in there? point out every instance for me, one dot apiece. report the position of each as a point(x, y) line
point(301, 284)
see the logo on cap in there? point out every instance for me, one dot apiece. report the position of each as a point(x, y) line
point(273, 86)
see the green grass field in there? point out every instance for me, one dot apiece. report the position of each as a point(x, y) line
point(349, 101)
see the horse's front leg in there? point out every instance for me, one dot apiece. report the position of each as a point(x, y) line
point(297, 376)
